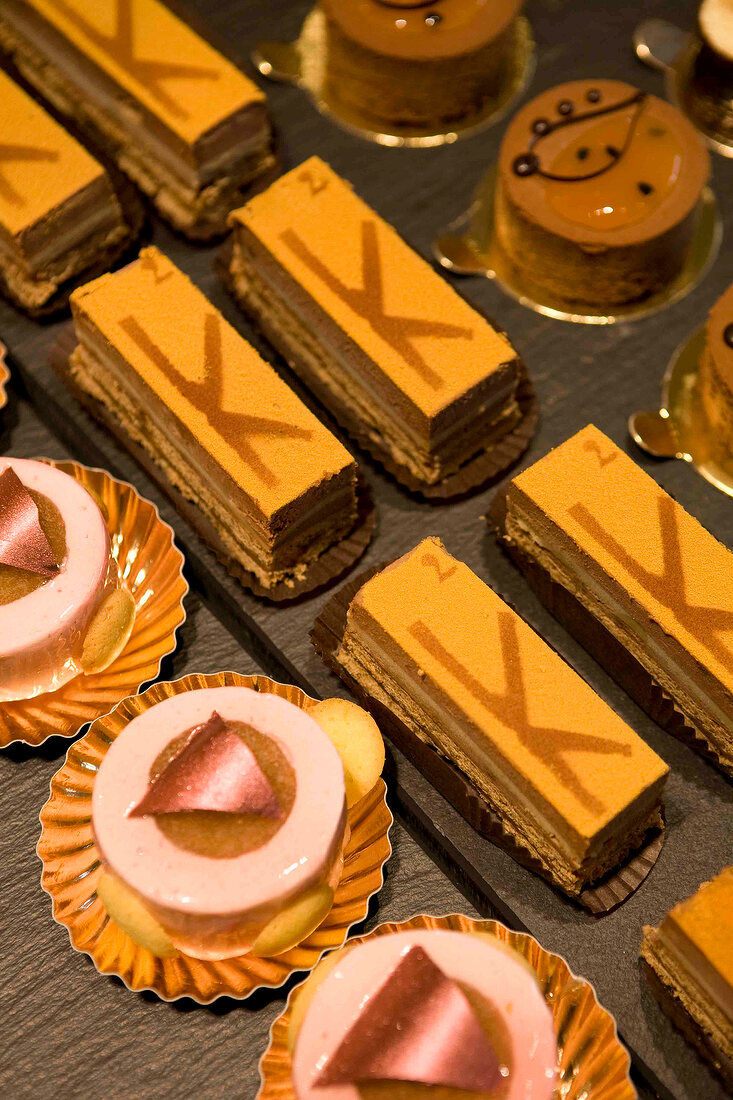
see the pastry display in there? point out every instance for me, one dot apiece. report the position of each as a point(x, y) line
point(418, 63)
point(690, 960)
point(411, 370)
point(597, 193)
point(715, 377)
point(187, 126)
point(273, 488)
point(426, 1012)
point(60, 218)
point(655, 589)
point(571, 783)
point(62, 608)
point(220, 816)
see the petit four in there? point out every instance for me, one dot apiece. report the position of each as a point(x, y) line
point(220, 816)
point(426, 1012)
point(186, 125)
point(597, 192)
point(405, 364)
point(570, 782)
point(705, 74)
point(418, 63)
point(60, 218)
point(62, 610)
point(715, 376)
point(643, 569)
point(690, 956)
point(273, 488)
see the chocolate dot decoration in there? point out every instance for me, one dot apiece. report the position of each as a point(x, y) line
point(645, 188)
point(541, 126)
point(593, 95)
point(433, 18)
point(656, 131)
point(728, 335)
point(526, 164)
point(612, 151)
point(583, 152)
point(565, 107)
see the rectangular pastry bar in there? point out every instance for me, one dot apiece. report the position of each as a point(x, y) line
point(641, 566)
point(691, 957)
point(405, 363)
point(186, 125)
point(226, 431)
point(59, 213)
point(570, 781)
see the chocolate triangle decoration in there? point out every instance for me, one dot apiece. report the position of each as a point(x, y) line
point(23, 543)
point(214, 770)
point(419, 1027)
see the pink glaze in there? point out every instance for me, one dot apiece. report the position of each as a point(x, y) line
point(41, 634)
point(217, 907)
point(490, 969)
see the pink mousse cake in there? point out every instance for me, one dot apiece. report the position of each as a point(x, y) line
point(219, 809)
point(54, 564)
point(425, 1013)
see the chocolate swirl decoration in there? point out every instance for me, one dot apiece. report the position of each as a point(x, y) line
point(528, 164)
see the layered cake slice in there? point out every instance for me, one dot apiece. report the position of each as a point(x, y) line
point(404, 363)
point(646, 571)
point(453, 1015)
point(60, 218)
point(275, 489)
point(716, 373)
point(690, 956)
point(573, 785)
point(186, 125)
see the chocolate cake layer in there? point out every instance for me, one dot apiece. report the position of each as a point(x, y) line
point(187, 126)
point(59, 214)
point(385, 342)
point(277, 486)
point(691, 954)
point(642, 566)
point(430, 641)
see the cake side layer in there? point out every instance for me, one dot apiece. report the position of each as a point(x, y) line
point(431, 630)
point(410, 325)
point(360, 397)
point(570, 513)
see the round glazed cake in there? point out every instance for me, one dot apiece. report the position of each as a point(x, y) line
point(220, 815)
point(716, 373)
point(423, 1014)
point(597, 192)
point(55, 568)
point(418, 63)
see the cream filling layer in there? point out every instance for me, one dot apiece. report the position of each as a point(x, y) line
point(518, 529)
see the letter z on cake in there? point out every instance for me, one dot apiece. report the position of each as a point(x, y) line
point(656, 580)
point(571, 782)
point(276, 487)
point(404, 363)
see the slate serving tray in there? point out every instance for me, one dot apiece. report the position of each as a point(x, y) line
point(582, 374)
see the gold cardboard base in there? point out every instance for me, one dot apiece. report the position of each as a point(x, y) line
point(680, 429)
point(468, 247)
point(304, 63)
point(672, 51)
